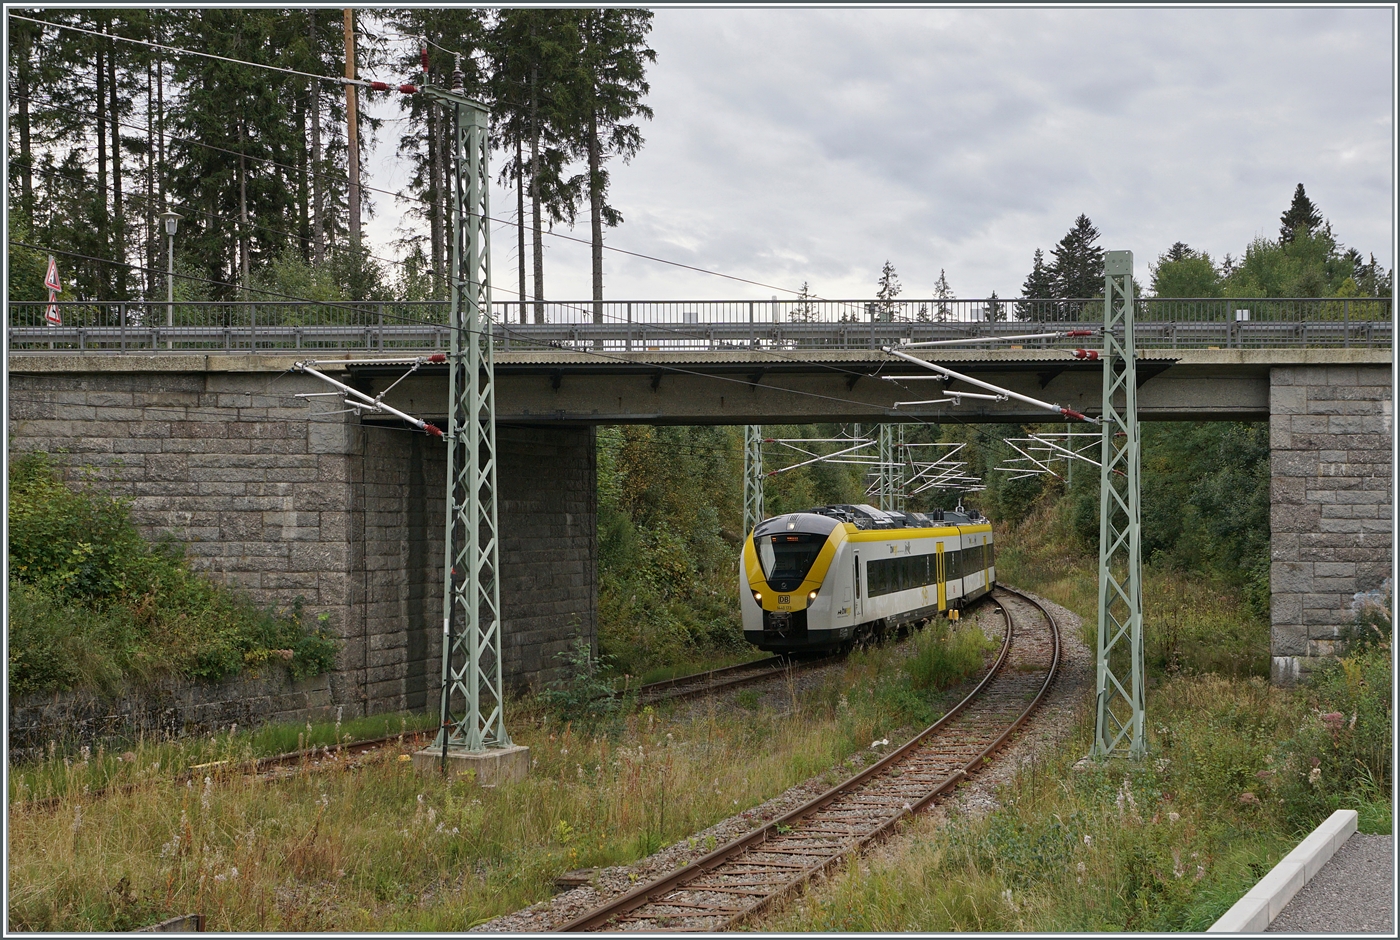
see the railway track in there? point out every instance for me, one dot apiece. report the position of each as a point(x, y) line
point(741, 880)
point(727, 678)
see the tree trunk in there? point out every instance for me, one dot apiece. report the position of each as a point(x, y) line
point(595, 198)
point(303, 185)
point(26, 178)
point(535, 191)
point(352, 139)
point(446, 174)
point(152, 238)
point(244, 268)
point(434, 184)
point(100, 204)
point(118, 212)
point(318, 183)
point(520, 221)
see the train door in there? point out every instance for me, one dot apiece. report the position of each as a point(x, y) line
point(858, 606)
point(986, 568)
point(942, 581)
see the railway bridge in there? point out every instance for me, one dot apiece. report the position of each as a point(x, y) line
point(193, 414)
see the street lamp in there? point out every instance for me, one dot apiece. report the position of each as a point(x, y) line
point(172, 222)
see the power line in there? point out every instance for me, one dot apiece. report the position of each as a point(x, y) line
point(338, 80)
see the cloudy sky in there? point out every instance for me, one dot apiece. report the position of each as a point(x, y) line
point(814, 144)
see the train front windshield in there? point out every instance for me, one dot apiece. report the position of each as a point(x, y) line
point(788, 556)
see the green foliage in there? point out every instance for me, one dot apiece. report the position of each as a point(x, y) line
point(1182, 272)
point(944, 657)
point(584, 697)
point(93, 605)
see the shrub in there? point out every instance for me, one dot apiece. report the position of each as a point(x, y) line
point(944, 657)
point(93, 604)
point(583, 697)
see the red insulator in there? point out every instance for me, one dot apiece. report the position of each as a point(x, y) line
point(409, 89)
point(1071, 413)
point(1086, 354)
point(438, 357)
point(379, 86)
point(423, 57)
point(432, 429)
point(1080, 333)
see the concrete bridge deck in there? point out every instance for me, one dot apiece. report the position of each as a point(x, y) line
point(558, 386)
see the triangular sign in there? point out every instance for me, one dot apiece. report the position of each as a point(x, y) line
point(51, 279)
point(52, 316)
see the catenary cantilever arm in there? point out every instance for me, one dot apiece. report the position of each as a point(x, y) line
point(370, 404)
point(1060, 409)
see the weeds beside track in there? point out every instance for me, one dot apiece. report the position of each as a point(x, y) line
point(740, 880)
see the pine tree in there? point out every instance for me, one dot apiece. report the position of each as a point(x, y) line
point(1038, 287)
point(942, 293)
point(804, 311)
point(606, 87)
point(1078, 264)
point(1302, 214)
point(888, 288)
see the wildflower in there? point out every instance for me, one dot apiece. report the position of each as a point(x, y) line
point(85, 753)
point(1200, 872)
point(204, 796)
point(1087, 840)
point(1315, 776)
point(1173, 817)
point(1079, 868)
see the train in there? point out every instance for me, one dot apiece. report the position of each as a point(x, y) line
point(822, 579)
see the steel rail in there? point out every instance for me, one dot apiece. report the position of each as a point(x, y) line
point(828, 855)
point(728, 678)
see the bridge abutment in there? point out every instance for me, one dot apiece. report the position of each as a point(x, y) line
point(347, 516)
point(1331, 433)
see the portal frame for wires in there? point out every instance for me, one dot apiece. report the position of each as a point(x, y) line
point(473, 706)
point(1120, 718)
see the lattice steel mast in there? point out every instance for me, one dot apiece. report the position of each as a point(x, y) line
point(473, 715)
point(1120, 719)
point(753, 477)
point(892, 493)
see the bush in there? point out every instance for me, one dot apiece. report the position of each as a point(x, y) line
point(94, 605)
point(583, 698)
point(943, 658)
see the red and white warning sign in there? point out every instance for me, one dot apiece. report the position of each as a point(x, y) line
point(51, 315)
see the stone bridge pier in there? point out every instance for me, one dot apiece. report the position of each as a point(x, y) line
point(347, 516)
point(1332, 517)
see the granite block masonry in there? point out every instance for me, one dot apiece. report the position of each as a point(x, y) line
point(269, 497)
point(1331, 438)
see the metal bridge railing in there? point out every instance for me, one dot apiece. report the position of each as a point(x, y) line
point(701, 325)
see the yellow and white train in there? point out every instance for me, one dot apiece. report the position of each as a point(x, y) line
point(820, 579)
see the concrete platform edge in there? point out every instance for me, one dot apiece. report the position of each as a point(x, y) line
point(1262, 903)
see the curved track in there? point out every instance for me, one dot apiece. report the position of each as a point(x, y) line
point(741, 880)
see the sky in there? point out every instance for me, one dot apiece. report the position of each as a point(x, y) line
point(793, 145)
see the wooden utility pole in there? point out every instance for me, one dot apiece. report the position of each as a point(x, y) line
point(353, 130)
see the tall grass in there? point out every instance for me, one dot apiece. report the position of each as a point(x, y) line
point(386, 849)
point(1238, 772)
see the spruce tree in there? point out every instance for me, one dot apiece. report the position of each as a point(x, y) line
point(888, 289)
point(942, 293)
point(605, 88)
point(1077, 268)
point(1038, 286)
point(1301, 214)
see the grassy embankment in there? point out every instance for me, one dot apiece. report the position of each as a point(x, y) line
point(386, 849)
point(1238, 771)
point(93, 605)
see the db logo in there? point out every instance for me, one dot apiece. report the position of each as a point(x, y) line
point(784, 598)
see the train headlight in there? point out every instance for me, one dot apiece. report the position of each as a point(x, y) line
point(811, 595)
point(758, 598)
